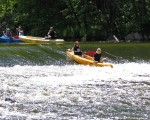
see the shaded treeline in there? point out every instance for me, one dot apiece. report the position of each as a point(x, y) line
point(87, 20)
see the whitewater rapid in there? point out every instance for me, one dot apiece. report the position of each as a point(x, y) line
point(75, 92)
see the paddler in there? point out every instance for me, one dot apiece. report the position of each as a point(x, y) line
point(76, 48)
point(98, 56)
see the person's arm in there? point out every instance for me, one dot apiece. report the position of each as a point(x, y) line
point(72, 49)
point(4, 33)
point(106, 58)
point(48, 33)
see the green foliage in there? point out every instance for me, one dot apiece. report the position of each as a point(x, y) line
point(73, 19)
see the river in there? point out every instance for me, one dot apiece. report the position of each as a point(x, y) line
point(65, 90)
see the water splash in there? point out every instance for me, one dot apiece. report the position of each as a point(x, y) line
point(75, 92)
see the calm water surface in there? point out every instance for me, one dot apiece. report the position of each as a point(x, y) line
point(75, 92)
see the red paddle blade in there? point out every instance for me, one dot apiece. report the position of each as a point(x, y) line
point(91, 53)
point(16, 37)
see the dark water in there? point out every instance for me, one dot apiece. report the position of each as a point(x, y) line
point(38, 83)
point(48, 54)
point(31, 54)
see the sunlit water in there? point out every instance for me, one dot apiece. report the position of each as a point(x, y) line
point(75, 92)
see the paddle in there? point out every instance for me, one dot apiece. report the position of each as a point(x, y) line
point(90, 53)
point(17, 37)
point(117, 57)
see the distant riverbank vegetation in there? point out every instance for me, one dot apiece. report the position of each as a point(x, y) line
point(86, 20)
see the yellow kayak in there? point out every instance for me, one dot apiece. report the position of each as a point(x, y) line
point(86, 60)
point(31, 39)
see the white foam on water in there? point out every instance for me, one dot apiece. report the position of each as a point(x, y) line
point(70, 84)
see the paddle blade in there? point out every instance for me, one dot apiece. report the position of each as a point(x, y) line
point(17, 37)
point(91, 53)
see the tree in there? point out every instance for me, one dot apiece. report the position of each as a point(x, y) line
point(85, 20)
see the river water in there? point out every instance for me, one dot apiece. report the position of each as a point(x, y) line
point(54, 89)
point(75, 92)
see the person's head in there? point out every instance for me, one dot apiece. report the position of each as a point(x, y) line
point(19, 28)
point(7, 28)
point(76, 43)
point(98, 50)
point(51, 28)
